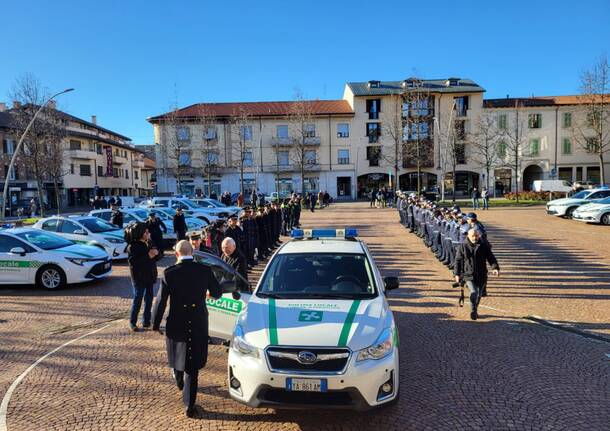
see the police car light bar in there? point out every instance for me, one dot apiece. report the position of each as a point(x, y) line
point(324, 233)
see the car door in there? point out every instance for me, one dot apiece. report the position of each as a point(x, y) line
point(223, 312)
point(74, 232)
point(15, 268)
point(104, 215)
point(51, 225)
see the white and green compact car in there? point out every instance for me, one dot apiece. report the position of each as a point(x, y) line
point(32, 256)
point(594, 212)
point(565, 207)
point(88, 230)
point(317, 331)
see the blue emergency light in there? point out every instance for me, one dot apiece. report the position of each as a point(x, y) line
point(324, 233)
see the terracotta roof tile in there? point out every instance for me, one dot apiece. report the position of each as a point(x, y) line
point(510, 102)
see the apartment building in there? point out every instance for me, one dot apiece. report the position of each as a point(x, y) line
point(278, 152)
point(97, 161)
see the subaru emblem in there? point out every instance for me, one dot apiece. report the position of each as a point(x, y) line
point(307, 358)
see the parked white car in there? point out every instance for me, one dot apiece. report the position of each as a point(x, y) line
point(33, 256)
point(565, 207)
point(190, 208)
point(213, 203)
point(87, 230)
point(594, 212)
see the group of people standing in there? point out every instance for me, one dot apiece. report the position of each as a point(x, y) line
point(457, 239)
point(480, 196)
point(100, 202)
point(381, 198)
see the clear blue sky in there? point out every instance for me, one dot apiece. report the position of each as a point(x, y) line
point(132, 59)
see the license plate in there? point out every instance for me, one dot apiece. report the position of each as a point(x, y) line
point(306, 385)
point(107, 265)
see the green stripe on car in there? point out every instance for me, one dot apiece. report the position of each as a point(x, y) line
point(20, 264)
point(272, 323)
point(347, 325)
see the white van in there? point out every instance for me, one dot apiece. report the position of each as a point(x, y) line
point(552, 186)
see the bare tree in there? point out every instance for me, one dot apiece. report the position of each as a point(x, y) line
point(516, 135)
point(302, 131)
point(206, 118)
point(592, 130)
point(47, 131)
point(175, 146)
point(393, 125)
point(418, 117)
point(242, 138)
point(485, 144)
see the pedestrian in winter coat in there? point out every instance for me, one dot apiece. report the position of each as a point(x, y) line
point(116, 217)
point(471, 267)
point(180, 225)
point(475, 198)
point(143, 271)
point(485, 197)
point(235, 258)
point(156, 229)
point(186, 285)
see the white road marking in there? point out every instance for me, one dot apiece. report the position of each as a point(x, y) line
point(7, 396)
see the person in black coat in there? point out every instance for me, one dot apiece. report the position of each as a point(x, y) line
point(234, 231)
point(262, 249)
point(471, 266)
point(116, 217)
point(156, 229)
point(251, 235)
point(143, 271)
point(234, 257)
point(180, 225)
point(198, 244)
point(186, 285)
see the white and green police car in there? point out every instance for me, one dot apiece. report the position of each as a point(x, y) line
point(32, 256)
point(565, 207)
point(318, 330)
point(87, 230)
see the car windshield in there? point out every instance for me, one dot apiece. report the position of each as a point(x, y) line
point(581, 195)
point(318, 275)
point(44, 240)
point(160, 214)
point(604, 201)
point(189, 203)
point(97, 225)
point(141, 214)
point(216, 203)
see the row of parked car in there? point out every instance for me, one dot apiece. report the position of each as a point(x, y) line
point(590, 206)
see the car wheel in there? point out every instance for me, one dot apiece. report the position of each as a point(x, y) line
point(569, 212)
point(606, 219)
point(50, 277)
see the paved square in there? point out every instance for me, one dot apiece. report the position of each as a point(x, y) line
point(499, 373)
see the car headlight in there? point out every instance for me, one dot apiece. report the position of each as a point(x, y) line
point(78, 260)
point(114, 240)
point(240, 345)
point(380, 348)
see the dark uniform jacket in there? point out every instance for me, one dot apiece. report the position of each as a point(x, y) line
point(236, 234)
point(180, 225)
point(471, 261)
point(186, 284)
point(156, 229)
point(116, 218)
point(237, 260)
point(142, 268)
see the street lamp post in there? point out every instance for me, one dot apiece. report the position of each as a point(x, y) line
point(19, 144)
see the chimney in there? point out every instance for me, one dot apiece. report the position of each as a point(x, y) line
point(52, 104)
point(16, 104)
point(2, 106)
point(94, 119)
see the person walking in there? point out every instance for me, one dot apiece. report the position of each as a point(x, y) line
point(475, 198)
point(33, 207)
point(485, 197)
point(312, 202)
point(186, 327)
point(253, 199)
point(372, 198)
point(156, 228)
point(470, 267)
point(116, 217)
point(180, 225)
point(143, 271)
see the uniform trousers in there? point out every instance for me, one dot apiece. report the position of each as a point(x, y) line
point(189, 391)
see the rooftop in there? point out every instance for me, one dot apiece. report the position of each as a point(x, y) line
point(510, 102)
point(385, 88)
point(259, 109)
point(322, 246)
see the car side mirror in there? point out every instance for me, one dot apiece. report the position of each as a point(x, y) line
point(18, 250)
point(228, 286)
point(391, 283)
point(79, 232)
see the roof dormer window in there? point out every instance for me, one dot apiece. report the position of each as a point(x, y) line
point(374, 84)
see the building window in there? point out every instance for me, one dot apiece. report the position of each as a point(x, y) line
point(135, 175)
point(461, 106)
point(534, 121)
point(534, 147)
point(309, 157)
point(567, 120)
point(183, 133)
point(502, 121)
point(343, 130)
point(593, 118)
point(213, 158)
point(210, 133)
point(246, 133)
point(372, 155)
point(100, 171)
point(281, 131)
point(115, 172)
point(343, 157)
point(460, 129)
point(8, 146)
point(98, 148)
point(11, 175)
point(283, 158)
point(309, 130)
point(184, 159)
point(85, 170)
point(373, 131)
point(373, 107)
point(416, 130)
point(75, 145)
point(592, 145)
point(502, 149)
point(126, 174)
point(247, 159)
point(72, 168)
point(566, 146)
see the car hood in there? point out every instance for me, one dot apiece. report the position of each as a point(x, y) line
point(564, 201)
point(118, 233)
point(592, 207)
point(314, 322)
point(81, 250)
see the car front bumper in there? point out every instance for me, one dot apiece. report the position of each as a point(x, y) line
point(88, 272)
point(357, 388)
point(118, 252)
point(586, 217)
point(556, 211)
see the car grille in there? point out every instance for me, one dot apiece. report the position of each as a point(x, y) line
point(282, 396)
point(100, 269)
point(286, 359)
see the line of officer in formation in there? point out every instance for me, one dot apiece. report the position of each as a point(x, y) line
point(445, 231)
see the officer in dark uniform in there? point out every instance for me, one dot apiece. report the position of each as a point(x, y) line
point(187, 322)
point(262, 249)
point(251, 234)
point(156, 229)
point(116, 217)
point(235, 232)
point(180, 225)
point(197, 243)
